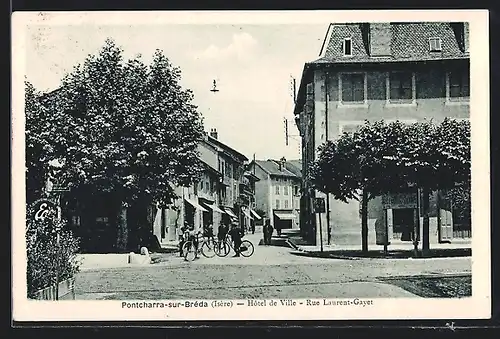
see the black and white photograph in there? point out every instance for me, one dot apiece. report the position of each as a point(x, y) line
point(236, 165)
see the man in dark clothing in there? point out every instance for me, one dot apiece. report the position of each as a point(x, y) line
point(221, 234)
point(265, 232)
point(183, 237)
point(236, 237)
point(268, 232)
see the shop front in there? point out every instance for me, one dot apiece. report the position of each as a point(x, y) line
point(402, 219)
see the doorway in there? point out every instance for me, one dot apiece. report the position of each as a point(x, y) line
point(403, 224)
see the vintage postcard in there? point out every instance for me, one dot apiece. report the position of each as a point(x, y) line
point(287, 165)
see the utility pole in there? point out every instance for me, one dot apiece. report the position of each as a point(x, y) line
point(286, 131)
point(416, 229)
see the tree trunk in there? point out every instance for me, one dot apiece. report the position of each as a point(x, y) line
point(138, 219)
point(425, 230)
point(122, 228)
point(364, 222)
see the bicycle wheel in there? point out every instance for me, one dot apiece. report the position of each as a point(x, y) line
point(189, 251)
point(247, 248)
point(207, 248)
point(222, 248)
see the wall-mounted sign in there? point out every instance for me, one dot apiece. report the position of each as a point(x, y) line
point(399, 200)
point(42, 207)
point(319, 205)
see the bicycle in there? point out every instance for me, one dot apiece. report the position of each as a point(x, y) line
point(222, 249)
point(205, 247)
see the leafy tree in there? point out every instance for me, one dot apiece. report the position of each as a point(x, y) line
point(380, 158)
point(46, 254)
point(36, 143)
point(124, 128)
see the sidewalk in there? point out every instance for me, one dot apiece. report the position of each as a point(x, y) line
point(392, 247)
point(395, 251)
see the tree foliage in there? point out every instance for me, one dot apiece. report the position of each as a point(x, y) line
point(46, 256)
point(383, 157)
point(37, 144)
point(122, 127)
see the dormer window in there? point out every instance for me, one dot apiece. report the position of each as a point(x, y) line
point(347, 46)
point(435, 44)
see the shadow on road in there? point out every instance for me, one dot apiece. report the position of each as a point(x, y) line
point(434, 287)
point(398, 254)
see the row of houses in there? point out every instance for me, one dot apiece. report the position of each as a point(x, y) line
point(230, 190)
point(381, 71)
point(224, 194)
point(278, 191)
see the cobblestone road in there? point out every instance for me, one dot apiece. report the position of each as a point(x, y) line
point(270, 272)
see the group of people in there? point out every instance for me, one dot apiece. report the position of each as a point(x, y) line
point(188, 233)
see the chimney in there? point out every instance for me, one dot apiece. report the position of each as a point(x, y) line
point(461, 31)
point(213, 133)
point(282, 163)
point(466, 37)
point(379, 39)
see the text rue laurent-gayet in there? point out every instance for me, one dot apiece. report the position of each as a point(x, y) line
point(309, 302)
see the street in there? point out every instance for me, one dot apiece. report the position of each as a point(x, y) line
point(271, 272)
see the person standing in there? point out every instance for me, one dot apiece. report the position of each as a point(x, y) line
point(278, 229)
point(264, 232)
point(221, 234)
point(208, 232)
point(183, 236)
point(236, 234)
point(268, 232)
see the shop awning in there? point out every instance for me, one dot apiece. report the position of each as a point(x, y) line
point(255, 214)
point(213, 207)
point(231, 213)
point(195, 205)
point(247, 214)
point(284, 215)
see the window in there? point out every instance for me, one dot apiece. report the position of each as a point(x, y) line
point(435, 44)
point(285, 190)
point(347, 47)
point(201, 186)
point(286, 204)
point(277, 204)
point(296, 204)
point(353, 87)
point(458, 85)
point(296, 190)
point(400, 86)
point(221, 168)
point(207, 187)
point(277, 190)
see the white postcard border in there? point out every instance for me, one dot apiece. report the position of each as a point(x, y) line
point(476, 307)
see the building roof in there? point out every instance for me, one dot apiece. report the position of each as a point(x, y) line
point(210, 169)
point(409, 42)
point(272, 167)
point(251, 175)
point(294, 166)
point(226, 149)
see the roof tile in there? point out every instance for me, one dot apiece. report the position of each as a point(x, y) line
point(409, 42)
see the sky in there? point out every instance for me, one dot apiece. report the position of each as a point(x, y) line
point(252, 65)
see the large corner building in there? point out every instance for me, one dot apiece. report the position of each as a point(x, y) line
point(373, 71)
